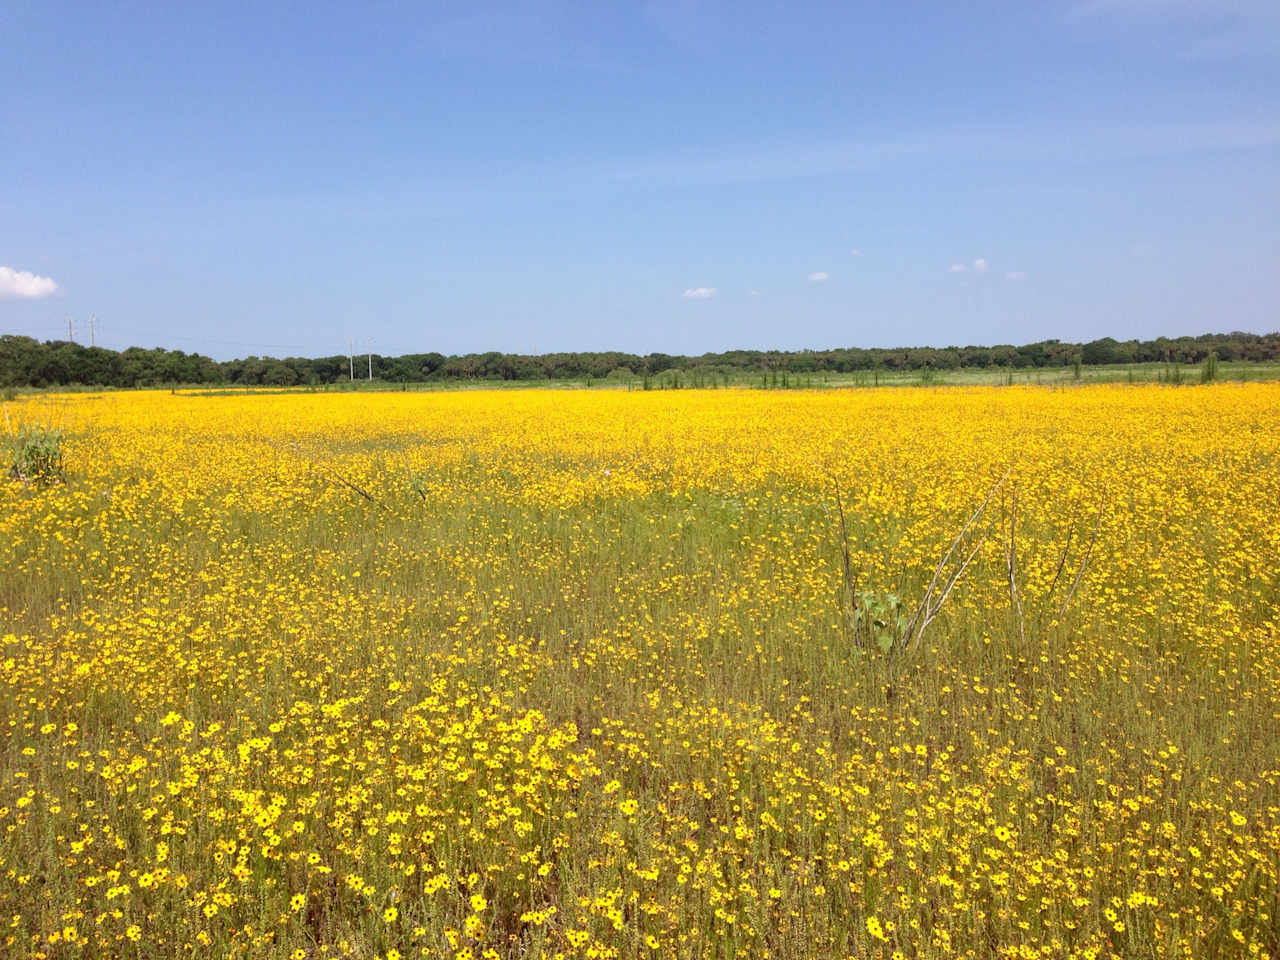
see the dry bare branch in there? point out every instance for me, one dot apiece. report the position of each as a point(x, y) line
point(850, 584)
point(334, 477)
point(1084, 562)
point(1062, 562)
point(936, 607)
point(927, 609)
point(1011, 567)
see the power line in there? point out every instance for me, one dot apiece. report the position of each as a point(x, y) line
point(222, 343)
point(121, 333)
point(69, 322)
point(44, 324)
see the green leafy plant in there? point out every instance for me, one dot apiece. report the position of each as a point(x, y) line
point(35, 455)
point(878, 619)
point(419, 483)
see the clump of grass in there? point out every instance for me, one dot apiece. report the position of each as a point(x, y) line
point(34, 452)
point(1209, 369)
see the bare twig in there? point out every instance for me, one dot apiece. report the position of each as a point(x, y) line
point(936, 607)
point(334, 477)
point(1062, 562)
point(338, 478)
point(844, 540)
point(1084, 562)
point(1011, 567)
point(930, 605)
point(849, 583)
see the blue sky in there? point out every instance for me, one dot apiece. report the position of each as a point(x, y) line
point(667, 176)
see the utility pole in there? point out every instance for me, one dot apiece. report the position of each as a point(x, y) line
point(351, 363)
point(370, 345)
point(71, 335)
point(92, 321)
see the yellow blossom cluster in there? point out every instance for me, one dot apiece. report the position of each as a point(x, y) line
point(576, 674)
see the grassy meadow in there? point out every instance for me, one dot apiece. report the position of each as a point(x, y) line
point(590, 674)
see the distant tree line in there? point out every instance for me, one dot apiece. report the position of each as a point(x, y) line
point(28, 362)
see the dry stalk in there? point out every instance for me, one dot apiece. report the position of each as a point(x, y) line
point(334, 477)
point(931, 604)
point(338, 478)
point(850, 584)
point(1011, 567)
point(1057, 574)
point(1011, 564)
point(1084, 562)
point(850, 581)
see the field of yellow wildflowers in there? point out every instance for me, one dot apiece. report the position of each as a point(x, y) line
point(578, 674)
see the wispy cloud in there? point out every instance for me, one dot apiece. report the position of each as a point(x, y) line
point(1014, 147)
point(980, 265)
point(957, 268)
point(542, 38)
point(856, 252)
point(819, 276)
point(755, 293)
point(22, 285)
point(738, 163)
point(1016, 275)
point(1221, 28)
point(699, 293)
point(760, 162)
point(1173, 9)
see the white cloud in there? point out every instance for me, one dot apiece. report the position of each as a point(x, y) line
point(699, 293)
point(856, 252)
point(957, 268)
point(1016, 275)
point(818, 277)
point(980, 265)
point(755, 293)
point(21, 285)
